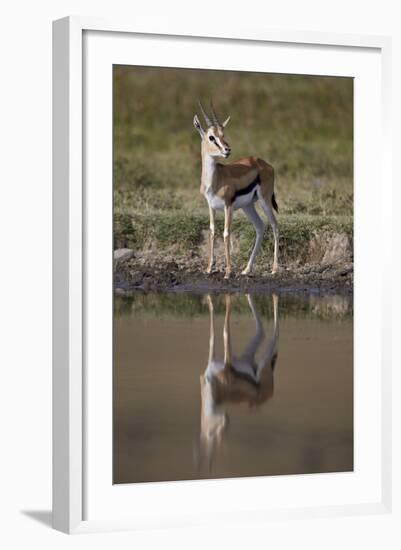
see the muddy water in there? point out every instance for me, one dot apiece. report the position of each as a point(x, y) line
point(228, 386)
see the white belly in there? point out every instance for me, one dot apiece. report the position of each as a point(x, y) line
point(244, 200)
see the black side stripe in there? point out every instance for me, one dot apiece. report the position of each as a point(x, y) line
point(246, 190)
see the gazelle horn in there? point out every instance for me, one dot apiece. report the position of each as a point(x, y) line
point(215, 119)
point(207, 119)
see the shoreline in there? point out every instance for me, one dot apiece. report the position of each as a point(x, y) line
point(186, 276)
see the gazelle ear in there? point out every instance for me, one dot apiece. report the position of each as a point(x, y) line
point(198, 126)
point(226, 121)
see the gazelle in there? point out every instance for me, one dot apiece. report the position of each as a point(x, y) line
point(234, 379)
point(238, 184)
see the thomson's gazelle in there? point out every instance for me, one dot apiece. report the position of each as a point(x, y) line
point(238, 184)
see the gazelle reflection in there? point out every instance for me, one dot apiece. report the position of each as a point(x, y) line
point(242, 379)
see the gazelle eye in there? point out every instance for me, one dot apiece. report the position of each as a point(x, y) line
point(212, 138)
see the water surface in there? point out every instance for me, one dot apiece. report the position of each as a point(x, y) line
point(227, 386)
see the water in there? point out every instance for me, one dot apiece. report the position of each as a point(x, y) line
point(229, 386)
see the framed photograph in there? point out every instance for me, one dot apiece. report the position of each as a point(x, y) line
point(220, 329)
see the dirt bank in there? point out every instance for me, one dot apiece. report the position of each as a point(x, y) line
point(163, 273)
point(321, 262)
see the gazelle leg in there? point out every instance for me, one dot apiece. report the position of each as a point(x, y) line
point(211, 337)
point(268, 210)
point(251, 349)
point(228, 215)
point(260, 227)
point(275, 312)
point(211, 241)
point(227, 334)
point(269, 357)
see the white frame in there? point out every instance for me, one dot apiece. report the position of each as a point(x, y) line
point(69, 259)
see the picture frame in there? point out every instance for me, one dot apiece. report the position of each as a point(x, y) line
point(74, 258)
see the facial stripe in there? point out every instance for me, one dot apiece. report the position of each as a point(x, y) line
point(219, 144)
point(216, 142)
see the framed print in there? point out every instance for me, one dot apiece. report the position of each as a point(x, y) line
point(219, 306)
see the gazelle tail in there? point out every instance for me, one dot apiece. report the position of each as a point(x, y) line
point(274, 203)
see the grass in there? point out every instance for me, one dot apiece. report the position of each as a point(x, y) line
point(302, 125)
point(184, 231)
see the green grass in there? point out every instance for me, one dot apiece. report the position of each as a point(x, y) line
point(302, 125)
point(184, 231)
